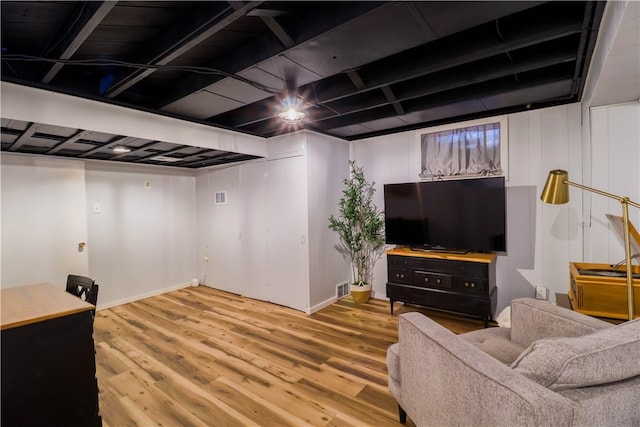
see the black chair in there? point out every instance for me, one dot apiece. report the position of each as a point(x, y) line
point(84, 288)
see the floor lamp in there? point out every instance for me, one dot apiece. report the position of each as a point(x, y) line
point(556, 191)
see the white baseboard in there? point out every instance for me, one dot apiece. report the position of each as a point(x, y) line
point(141, 296)
point(322, 305)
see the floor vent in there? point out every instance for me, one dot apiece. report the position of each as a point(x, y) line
point(343, 290)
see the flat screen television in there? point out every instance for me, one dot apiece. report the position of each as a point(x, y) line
point(461, 215)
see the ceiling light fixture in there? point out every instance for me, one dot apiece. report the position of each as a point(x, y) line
point(162, 158)
point(290, 113)
point(121, 149)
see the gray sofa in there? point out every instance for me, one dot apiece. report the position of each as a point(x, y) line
point(552, 367)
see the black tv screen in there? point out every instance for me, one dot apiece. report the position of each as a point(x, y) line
point(464, 214)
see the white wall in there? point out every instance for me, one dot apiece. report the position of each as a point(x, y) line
point(541, 239)
point(219, 230)
point(285, 245)
point(615, 144)
point(327, 167)
point(143, 241)
point(43, 220)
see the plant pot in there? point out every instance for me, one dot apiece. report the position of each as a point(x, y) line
point(360, 294)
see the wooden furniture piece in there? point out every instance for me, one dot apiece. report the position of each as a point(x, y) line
point(460, 283)
point(600, 290)
point(48, 358)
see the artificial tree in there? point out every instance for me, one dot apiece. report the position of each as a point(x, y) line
point(360, 226)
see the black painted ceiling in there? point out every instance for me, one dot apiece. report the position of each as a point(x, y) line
point(359, 69)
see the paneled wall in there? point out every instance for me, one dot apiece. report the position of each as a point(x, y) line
point(541, 239)
point(143, 241)
point(615, 144)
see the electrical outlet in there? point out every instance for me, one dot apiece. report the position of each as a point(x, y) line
point(542, 292)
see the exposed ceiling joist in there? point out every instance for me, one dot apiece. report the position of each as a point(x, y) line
point(207, 20)
point(117, 140)
point(356, 79)
point(267, 46)
point(413, 8)
point(414, 88)
point(357, 69)
point(273, 25)
point(28, 133)
point(90, 15)
point(66, 143)
point(149, 146)
point(388, 93)
point(430, 59)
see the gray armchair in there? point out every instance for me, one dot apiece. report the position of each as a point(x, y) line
point(553, 367)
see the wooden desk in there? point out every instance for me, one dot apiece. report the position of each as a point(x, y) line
point(48, 358)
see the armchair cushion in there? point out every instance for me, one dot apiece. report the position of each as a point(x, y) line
point(533, 319)
point(496, 342)
point(601, 357)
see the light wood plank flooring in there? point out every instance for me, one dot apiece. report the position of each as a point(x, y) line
point(203, 357)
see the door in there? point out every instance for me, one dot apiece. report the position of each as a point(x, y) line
point(287, 228)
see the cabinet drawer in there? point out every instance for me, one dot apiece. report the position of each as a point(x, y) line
point(430, 279)
point(400, 275)
point(468, 285)
point(398, 261)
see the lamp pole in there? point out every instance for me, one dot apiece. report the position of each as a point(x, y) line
point(627, 253)
point(556, 192)
point(625, 202)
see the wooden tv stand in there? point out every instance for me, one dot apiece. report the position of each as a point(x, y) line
point(459, 283)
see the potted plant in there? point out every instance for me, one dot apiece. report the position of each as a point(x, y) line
point(360, 226)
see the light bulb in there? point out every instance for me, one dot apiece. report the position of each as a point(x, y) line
point(291, 116)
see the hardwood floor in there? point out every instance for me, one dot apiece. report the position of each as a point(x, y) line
point(202, 357)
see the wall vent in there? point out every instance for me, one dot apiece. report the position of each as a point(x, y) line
point(221, 198)
point(343, 290)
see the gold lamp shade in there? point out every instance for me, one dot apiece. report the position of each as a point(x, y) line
point(556, 190)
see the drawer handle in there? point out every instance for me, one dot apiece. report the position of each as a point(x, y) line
point(438, 281)
point(466, 284)
point(473, 285)
point(426, 279)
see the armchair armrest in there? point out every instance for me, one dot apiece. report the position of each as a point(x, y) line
point(533, 319)
point(448, 381)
